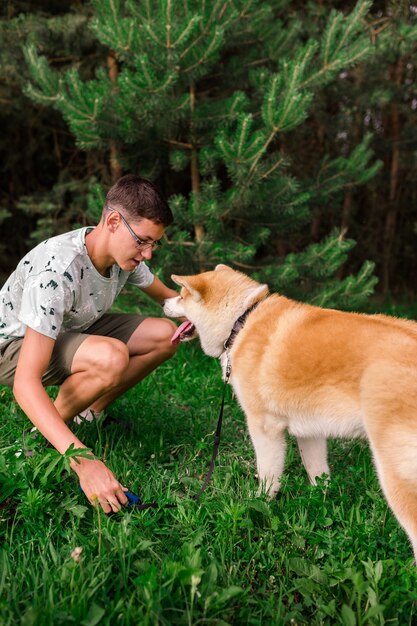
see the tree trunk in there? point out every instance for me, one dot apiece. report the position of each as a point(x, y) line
point(346, 209)
point(316, 212)
point(392, 213)
point(195, 178)
point(115, 166)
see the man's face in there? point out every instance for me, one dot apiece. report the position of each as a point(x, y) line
point(134, 241)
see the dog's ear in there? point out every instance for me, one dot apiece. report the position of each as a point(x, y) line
point(221, 266)
point(187, 283)
point(255, 294)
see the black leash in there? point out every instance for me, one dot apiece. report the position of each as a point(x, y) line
point(216, 437)
point(141, 506)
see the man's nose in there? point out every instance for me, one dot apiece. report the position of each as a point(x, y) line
point(147, 253)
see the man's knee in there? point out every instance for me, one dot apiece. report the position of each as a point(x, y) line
point(161, 335)
point(166, 329)
point(153, 336)
point(110, 359)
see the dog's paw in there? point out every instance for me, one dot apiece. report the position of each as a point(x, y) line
point(268, 489)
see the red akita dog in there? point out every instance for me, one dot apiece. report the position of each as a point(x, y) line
point(315, 373)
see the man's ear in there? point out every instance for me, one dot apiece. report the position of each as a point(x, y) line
point(255, 294)
point(186, 282)
point(112, 220)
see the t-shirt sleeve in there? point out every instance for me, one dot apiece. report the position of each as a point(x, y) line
point(45, 299)
point(141, 276)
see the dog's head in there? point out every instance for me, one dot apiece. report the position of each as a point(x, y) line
point(213, 301)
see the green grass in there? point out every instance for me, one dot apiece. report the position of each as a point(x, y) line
point(333, 554)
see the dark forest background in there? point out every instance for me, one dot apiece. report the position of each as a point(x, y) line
point(47, 173)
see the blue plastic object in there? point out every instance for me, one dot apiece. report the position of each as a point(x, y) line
point(133, 499)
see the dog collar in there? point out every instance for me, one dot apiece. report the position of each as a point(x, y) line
point(237, 326)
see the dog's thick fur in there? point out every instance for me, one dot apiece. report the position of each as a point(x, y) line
point(316, 373)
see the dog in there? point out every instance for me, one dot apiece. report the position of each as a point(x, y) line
point(313, 372)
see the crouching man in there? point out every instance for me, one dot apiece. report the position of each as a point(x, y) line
point(54, 329)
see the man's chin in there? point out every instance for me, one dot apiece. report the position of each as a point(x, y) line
point(129, 265)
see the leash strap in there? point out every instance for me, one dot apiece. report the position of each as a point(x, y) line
point(215, 448)
point(154, 505)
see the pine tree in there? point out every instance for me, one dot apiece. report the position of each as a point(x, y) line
point(204, 98)
point(40, 163)
point(376, 95)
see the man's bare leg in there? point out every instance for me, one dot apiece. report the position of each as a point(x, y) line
point(149, 346)
point(104, 368)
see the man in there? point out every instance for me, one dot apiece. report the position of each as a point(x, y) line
point(54, 328)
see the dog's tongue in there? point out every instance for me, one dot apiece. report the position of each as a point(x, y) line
point(183, 328)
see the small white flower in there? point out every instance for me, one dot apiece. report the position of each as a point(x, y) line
point(76, 554)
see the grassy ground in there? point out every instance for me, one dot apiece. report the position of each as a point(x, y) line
point(326, 555)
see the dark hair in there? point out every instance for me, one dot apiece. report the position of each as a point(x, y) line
point(139, 198)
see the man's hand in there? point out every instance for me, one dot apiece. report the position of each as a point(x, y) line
point(100, 485)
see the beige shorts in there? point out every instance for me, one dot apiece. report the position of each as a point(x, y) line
point(118, 325)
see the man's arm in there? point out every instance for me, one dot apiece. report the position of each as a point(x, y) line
point(95, 478)
point(29, 392)
point(158, 291)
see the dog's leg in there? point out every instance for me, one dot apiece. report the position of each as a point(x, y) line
point(390, 403)
point(400, 491)
point(313, 451)
point(270, 447)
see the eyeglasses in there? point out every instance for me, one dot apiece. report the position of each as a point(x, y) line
point(140, 243)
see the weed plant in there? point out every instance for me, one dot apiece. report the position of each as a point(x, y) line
point(332, 554)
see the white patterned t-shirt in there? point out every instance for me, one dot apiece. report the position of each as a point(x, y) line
point(56, 287)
